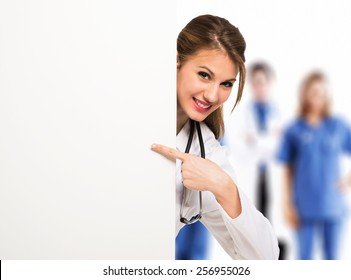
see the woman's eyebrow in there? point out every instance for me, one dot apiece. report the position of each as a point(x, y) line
point(213, 74)
point(208, 69)
point(234, 79)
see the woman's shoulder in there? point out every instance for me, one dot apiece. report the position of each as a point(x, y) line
point(294, 127)
point(338, 122)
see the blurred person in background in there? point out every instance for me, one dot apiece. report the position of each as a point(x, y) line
point(310, 151)
point(192, 242)
point(260, 127)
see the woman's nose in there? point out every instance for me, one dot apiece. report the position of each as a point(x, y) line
point(211, 94)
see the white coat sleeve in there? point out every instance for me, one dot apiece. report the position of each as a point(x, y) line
point(248, 236)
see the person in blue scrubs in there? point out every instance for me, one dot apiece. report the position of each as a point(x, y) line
point(310, 151)
point(192, 242)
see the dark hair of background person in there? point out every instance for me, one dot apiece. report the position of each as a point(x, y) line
point(311, 78)
point(263, 67)
point(208, 32)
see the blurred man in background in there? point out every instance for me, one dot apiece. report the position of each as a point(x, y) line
point(262, 129)
point(253, 136)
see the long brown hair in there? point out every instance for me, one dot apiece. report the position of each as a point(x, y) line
point(212, 32)
point(311, 78)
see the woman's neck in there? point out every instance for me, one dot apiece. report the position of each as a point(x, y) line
point(182, 118)
point(314, 118)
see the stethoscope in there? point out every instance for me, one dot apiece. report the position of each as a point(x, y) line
point(186, 192)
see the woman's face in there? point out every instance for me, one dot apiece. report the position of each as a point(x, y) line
point(204, 82)
point(316, 97)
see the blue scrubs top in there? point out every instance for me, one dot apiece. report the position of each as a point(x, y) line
point(314, 154)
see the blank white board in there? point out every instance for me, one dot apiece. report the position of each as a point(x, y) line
point(85, 88)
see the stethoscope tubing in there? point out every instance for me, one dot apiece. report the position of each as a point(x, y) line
point(186, 192)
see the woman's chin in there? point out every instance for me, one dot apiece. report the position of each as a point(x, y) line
point(199, 117)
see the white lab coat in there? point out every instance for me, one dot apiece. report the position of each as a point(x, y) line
point(250, 235)
point(260, 148)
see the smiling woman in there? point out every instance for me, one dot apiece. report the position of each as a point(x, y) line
point(204, 84)
point(213, 40)
point(210, 57)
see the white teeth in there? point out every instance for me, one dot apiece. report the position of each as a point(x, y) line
point(202, 105)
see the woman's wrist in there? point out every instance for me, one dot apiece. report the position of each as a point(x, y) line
point(227, 195)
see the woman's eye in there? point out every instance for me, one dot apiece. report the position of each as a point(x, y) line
point(227, 84)
point(204, 75)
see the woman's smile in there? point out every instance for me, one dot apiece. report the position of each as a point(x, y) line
point(201, 106)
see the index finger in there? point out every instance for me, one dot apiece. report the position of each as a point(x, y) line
point(168, 152)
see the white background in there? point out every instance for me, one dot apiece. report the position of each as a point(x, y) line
point(85, 88)
point(295, 37)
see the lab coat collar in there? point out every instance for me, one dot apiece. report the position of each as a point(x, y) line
point(182, 137)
